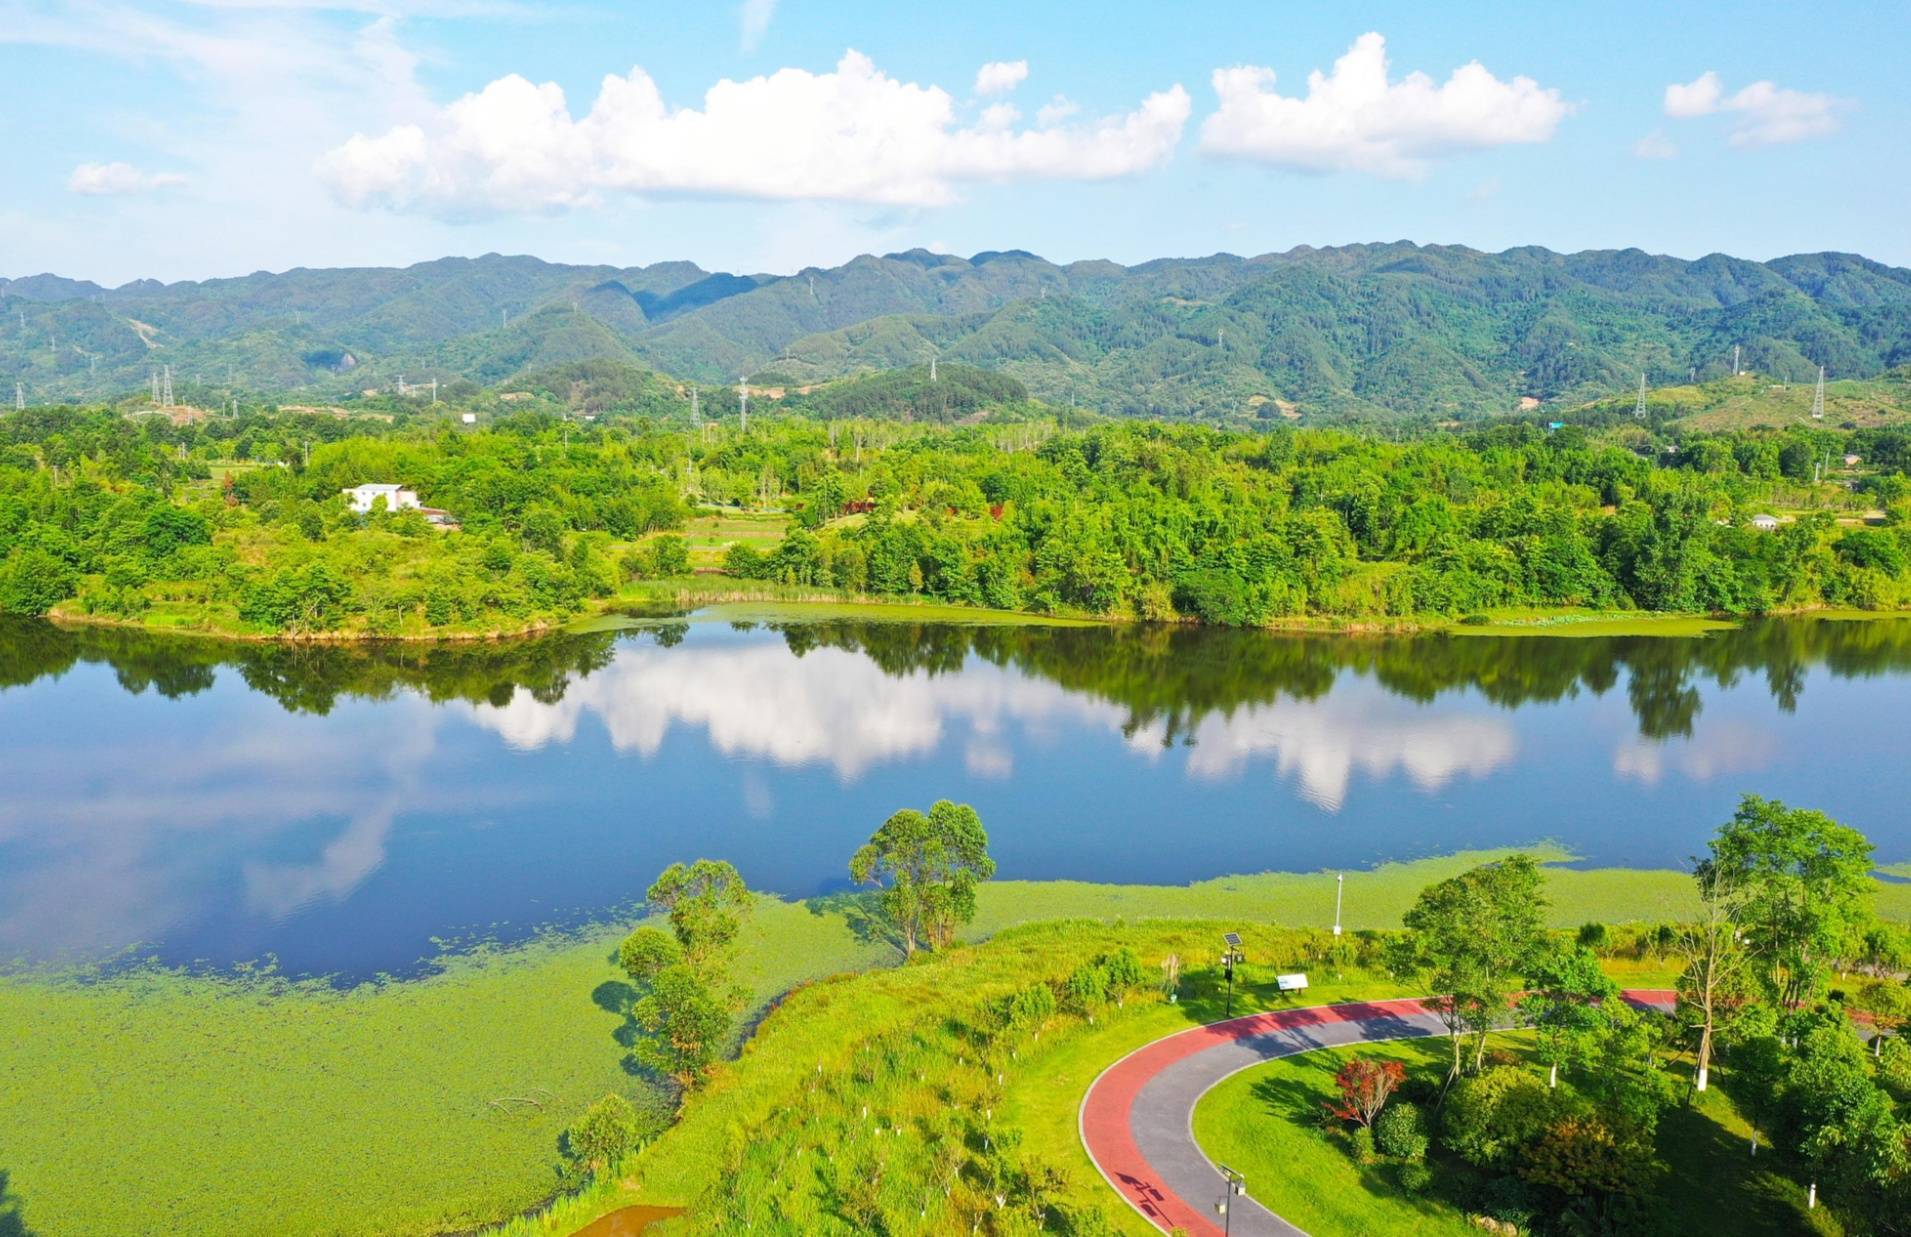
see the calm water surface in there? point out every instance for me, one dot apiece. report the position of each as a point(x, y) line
point(344, 810)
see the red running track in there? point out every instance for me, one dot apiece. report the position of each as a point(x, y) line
point(1137, 1116)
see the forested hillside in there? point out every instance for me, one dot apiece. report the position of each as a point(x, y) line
point(1360, 332)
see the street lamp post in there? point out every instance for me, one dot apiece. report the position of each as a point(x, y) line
point(1231, 954)
point(1340, 880)
point(1234, 1185)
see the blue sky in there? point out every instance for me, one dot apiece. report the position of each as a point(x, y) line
point(216, 137)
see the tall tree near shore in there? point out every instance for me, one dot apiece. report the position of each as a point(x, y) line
point(1476, 935)
point(1713, 980)
point(689, 1017)
point(929, 866)
point(1806, 884)
point(688, 1002)
point(706, 902)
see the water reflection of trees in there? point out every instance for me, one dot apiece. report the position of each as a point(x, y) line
point(1168, 678)
point(1173, 677)
point(306, 678)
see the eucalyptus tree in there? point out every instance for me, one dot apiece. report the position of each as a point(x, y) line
point(1713, 981)
point(928, 867)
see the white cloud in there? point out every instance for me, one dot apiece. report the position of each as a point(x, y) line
point(1698, 97)
point(753, 21)
point(1355, 119)
point(1767, 115)
point(114, 179)
point(851, 134)
point(1000, 76)
point(1056, 110)
point(1655, 145)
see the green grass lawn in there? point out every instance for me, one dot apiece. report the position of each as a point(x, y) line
point(209, 1105)
point(712, 532)
point(1264, 1123)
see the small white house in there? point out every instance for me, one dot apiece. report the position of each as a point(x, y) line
point(397, 497)
point(1765, 523)
point(469, 418)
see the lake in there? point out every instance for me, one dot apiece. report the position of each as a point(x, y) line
point(350, 811)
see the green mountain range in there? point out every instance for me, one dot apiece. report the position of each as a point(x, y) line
point(1362, 332)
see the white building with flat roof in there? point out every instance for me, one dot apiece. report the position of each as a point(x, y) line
point(397, 497)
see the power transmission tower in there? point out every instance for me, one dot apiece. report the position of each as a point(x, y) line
point(153, 381)
point(166, 389)
point(743, 402)
point(932, 369)
point(434, 390)
point(1735, 368)
point(19, 397)
point(1639, 409)
point(1818, 397)
point(696, 414)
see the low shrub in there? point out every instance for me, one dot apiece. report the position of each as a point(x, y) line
point(1414, 1177)
point(1401, 1131)
point(1363, 1145)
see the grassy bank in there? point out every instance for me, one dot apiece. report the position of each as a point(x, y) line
point(742, 600)
point(203, 1105)
point(901, 1102)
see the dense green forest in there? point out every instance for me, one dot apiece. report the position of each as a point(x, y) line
point(1366, 332)
point(1242, 530)
point(238, 524)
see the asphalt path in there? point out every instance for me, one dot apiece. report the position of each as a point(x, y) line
point(1138, 1116)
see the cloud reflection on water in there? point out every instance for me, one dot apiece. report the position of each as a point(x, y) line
point(828, 707)
point(840, 709)
point(141, 842)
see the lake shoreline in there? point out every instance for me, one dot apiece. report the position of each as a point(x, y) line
point(1616, 895)
point(605, 613)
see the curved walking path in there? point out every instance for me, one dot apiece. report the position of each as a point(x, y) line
point(1137, 1120)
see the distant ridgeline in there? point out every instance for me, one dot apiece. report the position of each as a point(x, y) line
point(1361, 332)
